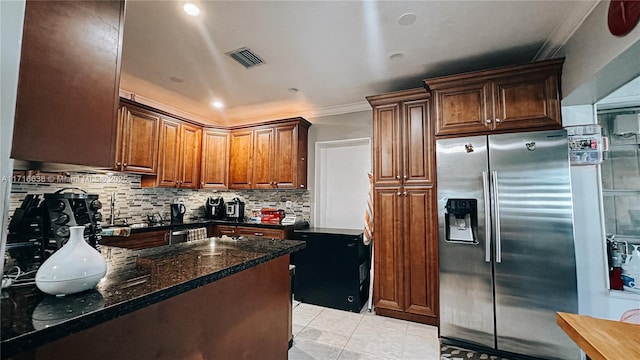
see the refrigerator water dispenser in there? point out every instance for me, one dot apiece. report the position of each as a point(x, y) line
point(461, 220)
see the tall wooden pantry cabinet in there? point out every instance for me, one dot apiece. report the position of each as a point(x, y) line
point(405, 218)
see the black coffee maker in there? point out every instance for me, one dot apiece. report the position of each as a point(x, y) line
point(214, 208)
point(177, 213)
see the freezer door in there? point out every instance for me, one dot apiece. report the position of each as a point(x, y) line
point(466, 294)
point(535, 273)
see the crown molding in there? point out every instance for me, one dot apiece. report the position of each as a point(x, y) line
point(565, 29)
point(338, 109)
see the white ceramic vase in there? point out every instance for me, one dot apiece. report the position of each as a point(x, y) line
point(73, 268)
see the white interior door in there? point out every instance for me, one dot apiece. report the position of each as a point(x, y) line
point(341, 183)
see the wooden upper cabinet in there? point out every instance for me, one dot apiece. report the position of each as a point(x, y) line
point(67, 97)
point(287, 160)
point(137, 141)
point(263, 158)
point(529, 100)
point(417, 143)
point(240, 166)
point(387, 144)
point(168, 156)
point(512, 98)
point(214, 173)
point(403, 145)
point(277, 157)
point(190, 153)
point(463, 109)
point(178, 156)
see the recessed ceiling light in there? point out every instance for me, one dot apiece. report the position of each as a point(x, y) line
point(407, 19)
point(191, 9)
point(293, 90)
point(396, 56)
point(217, 104)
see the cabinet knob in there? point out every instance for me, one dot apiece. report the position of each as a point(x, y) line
point(404, 193)
point(201, 183)
point(497, 120)
point(124, 164)
point(398, 177)
point(118, 163)
point(488, 121)
point(301, 185)
point(405, 177)
point(301, 159)
point(399, 193)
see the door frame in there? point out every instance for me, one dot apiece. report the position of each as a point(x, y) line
point(319, 177)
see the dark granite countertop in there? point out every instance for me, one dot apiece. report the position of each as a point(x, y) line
point(31, 318)
point(192, 223)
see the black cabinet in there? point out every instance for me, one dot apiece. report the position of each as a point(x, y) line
point(333, 269)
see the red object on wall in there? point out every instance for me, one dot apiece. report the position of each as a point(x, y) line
point(616, 278)
point(623, 16)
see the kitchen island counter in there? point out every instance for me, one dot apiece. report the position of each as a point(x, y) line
point(148, 286)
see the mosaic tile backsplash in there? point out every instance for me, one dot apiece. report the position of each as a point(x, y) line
point(134, 202)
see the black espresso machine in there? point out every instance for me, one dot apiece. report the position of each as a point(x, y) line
point(214, 208)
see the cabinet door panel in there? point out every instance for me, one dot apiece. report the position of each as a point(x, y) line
point(420, 252)
point(387, 149)
point(168, 156)
point(463, 109)
point(388, 256)
point(263, 158)
point(215, 160)
point(528, 101)
point(240, 166)
point(67, 95)
point(417, 143)
point(286, 157)
point(190, 144)
point(140, 141)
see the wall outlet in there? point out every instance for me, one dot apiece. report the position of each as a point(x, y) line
point(289, 204)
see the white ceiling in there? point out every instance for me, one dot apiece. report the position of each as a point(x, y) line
point(334, 52)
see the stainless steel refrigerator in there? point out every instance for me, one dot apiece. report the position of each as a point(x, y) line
point(506, 245)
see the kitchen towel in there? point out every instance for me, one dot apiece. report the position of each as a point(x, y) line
point(368, 215)
point(196, 234)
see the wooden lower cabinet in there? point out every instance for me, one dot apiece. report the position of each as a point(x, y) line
point(279, 234)
point(138, 241)
point(231, 230)
point(406, 263)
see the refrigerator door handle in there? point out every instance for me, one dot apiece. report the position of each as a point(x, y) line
point(487, 218)
point(496, 204)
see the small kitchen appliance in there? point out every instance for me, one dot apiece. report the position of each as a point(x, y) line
point(70, 207)
point(214, 208)
point(235, 210)
point(177, 213)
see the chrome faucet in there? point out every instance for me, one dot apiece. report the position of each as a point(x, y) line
point(112, 208)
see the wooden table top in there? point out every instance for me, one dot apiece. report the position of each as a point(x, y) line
point(602, 339)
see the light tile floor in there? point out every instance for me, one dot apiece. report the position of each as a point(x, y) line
point(327, 334)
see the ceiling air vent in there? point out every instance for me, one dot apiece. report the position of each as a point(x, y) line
point(246, 57)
